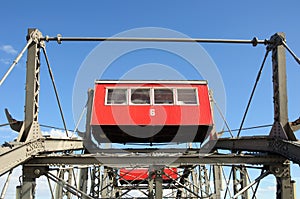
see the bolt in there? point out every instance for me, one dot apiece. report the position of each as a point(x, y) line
point(37, 172)
point(276, 170)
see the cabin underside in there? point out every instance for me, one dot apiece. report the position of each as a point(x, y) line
point(150, 134)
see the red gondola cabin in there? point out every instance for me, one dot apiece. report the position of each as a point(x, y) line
point(151, 111)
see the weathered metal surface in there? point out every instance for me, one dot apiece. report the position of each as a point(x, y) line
point(21, 152)
point(120, 161)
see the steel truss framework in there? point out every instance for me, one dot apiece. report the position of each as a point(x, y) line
point(95, 174)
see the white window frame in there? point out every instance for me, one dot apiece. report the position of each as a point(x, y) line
point(170, 88)
point(133, 104)
point(106, 95)
point(191, 88)
point(152, 97)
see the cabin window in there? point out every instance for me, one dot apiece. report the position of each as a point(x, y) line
point(140, 96)
point(186, 96)
point(116, 96)
point(163, 96)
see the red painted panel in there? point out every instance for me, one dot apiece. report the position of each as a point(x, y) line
point(151, 114)
point(139, 174)
point(133, 174)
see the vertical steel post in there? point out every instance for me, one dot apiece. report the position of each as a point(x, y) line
point(83, 180)
point(239, 174)
point(280, 89)
point(240, 181)
point(150, 183)
point(96, 182)
point(87, 136)
point(18, 192)
point(235, 180)
point(66, 176)
point(285, 186)
point(195, 185)
point(69, 181)
point(281, 128)
point(29, 180)
point(158, 184)
point(217, 175)
point(243, 181)
point(204, 181)
point(59, 185)
point(28, 189)
point(30, 127)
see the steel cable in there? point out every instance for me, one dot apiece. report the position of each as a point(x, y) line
point(253, 90)
point(55, 90)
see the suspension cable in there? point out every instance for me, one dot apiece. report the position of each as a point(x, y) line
point(74, 130)
point(291, 52)
point(5, 186)
point(253, 90)
point(54, 127)
point(79, 120)
point(55, 90)
point(15, 62)
point(251, 127)
point(59, 39)
point(223, 117)
point(5, 124)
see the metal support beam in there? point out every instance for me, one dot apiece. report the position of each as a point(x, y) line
point(195, 181)
point(87, 136)
point(281, 129)
point(217, 175)
point(285, 186)
point(106, 183)
point(89, 112)
point(96, 182)
point(29, 180)
point(280, 89)
point(30, 129)
point(83, 180)
point(288, 149)
point(142, 160)
point(158, 183)
point(245, 188)
point(18, 153)
point(240, 179)
point(150, 183)
point(66, 177)
point(71, 189)
point(59, 184)
point(50, 188)
point(69, 181)
point(204, 181)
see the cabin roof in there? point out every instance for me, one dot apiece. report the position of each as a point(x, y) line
point(150, 82)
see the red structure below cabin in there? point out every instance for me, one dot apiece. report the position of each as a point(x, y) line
point(141, 175)
point(151, 111)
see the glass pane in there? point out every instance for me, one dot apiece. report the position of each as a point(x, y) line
point(186, 96)
point(116, 96)
point(163, 96)
point(140, 96)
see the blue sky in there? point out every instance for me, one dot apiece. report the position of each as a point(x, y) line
point(238, 64)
